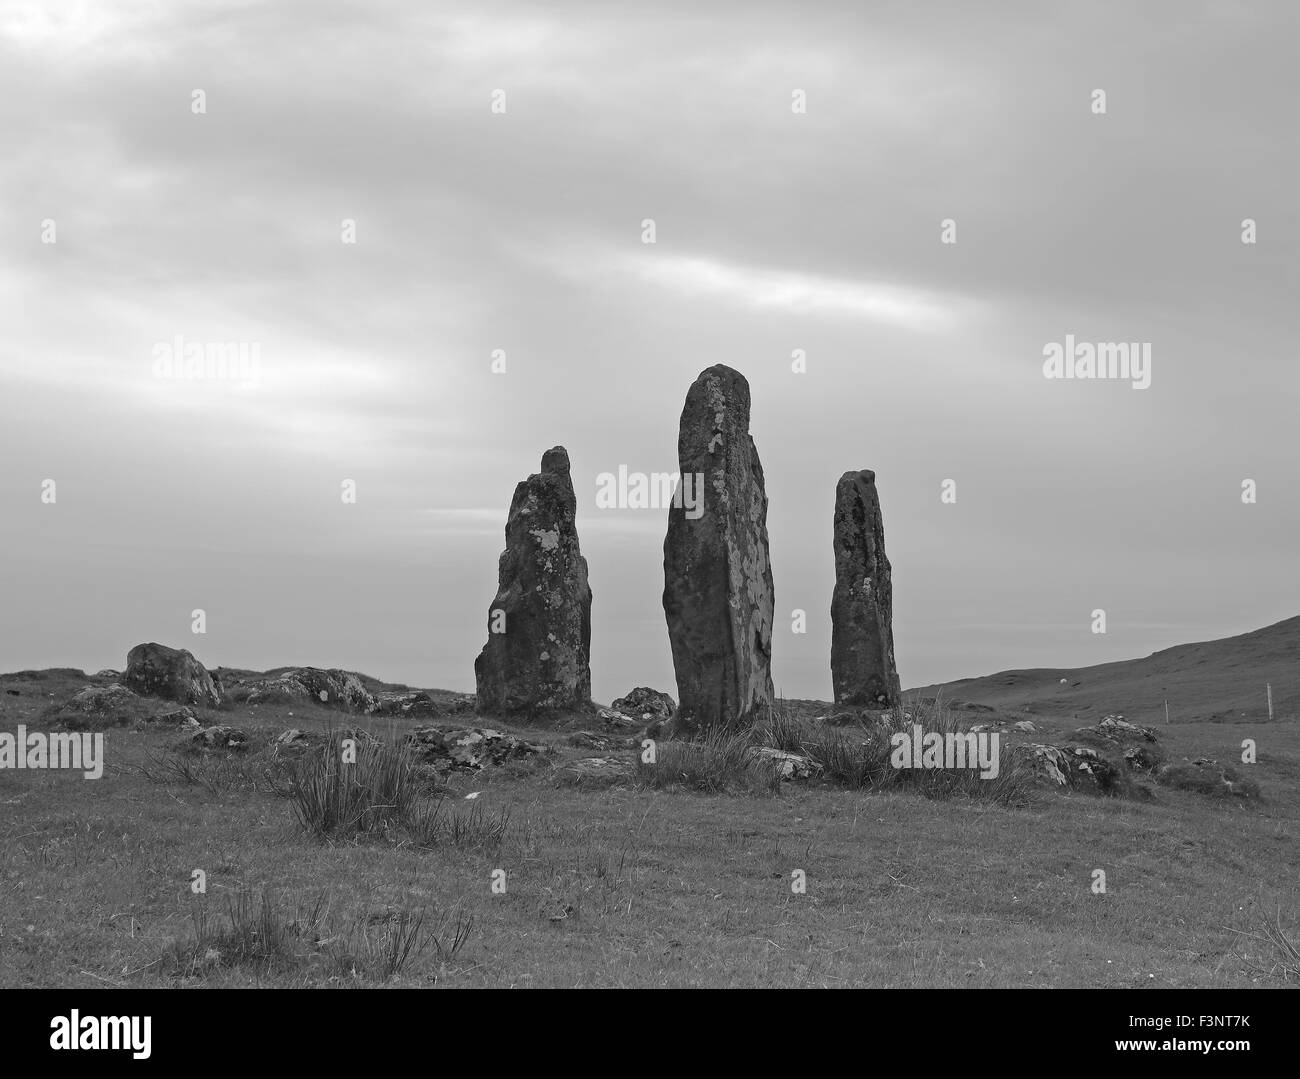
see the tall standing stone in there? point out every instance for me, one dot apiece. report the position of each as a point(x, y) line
point(717, 574)
point(537, 657)
point(862, 635)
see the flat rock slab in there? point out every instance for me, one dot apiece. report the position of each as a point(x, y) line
point(596, 773)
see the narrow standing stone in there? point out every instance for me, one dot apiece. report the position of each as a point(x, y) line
point(862, 635)
point(717, 574)
point(537, 656)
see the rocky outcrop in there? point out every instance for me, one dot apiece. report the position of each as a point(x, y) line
point(537, 657)
point(718, 598)
point(154, 670)
point(331, 688)
point(862, 605)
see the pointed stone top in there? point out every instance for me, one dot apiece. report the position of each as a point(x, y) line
point(556, 460)
point(719, 391)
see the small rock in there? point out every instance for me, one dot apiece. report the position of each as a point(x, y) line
point(177, 717)
point(788, 765)
point(220, 737)
point(615, 720)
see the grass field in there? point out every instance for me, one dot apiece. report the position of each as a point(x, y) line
point(633, 886)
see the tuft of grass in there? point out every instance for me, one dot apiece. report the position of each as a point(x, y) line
point(1286, 961)
point(474, 829)
point(1212, 780)
point(716, 762)
point(219, 774)
point(255, 933)
point(331, 797)
point(258, 933)
point(861, 758)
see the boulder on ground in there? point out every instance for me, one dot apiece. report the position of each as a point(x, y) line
point(154, 670)
point(101, 706)
point(645, 704)
point(417, 705)
point(103, 700)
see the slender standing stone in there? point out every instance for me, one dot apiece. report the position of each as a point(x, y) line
point(862, 636)
point(717, 574)
point(537, 656)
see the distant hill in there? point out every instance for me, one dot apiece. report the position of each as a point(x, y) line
point(1210, 681)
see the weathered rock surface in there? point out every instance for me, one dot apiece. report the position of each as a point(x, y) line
point(468, 748)
point(601, 742)
point(787, 765)
point(154, 670)
point(1115, 728)
point(645, 704)
point(540, 663)
point(182, 718)
point(718, 598)
point(618, 721)
point(219, 737)
point(103, 700)
point(331, 688)
point(417, 704)
point(862, 606)
point(1075, 767)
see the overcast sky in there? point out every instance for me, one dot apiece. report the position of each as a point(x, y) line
point(775, 230)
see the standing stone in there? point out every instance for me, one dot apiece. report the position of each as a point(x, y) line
point(540, 664)
point(717, 576)
point(862, 635)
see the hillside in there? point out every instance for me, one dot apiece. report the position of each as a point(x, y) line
point(1216, 681)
